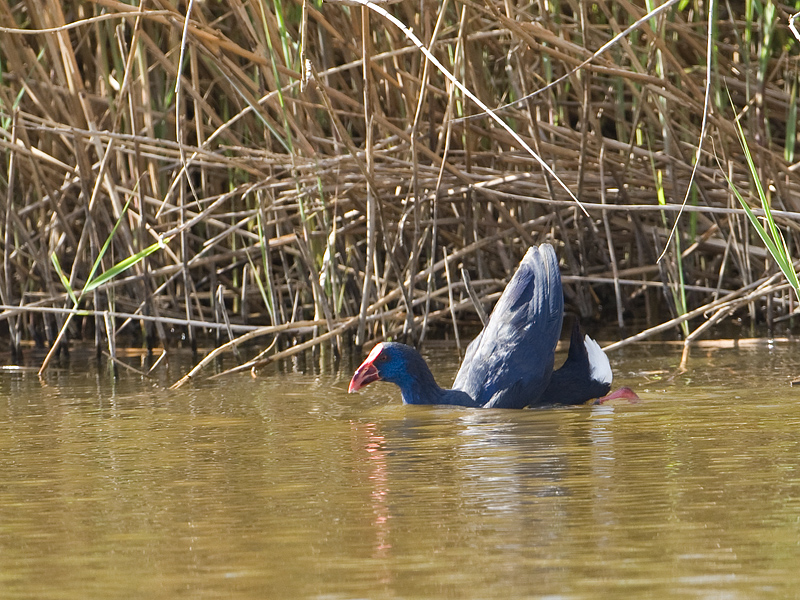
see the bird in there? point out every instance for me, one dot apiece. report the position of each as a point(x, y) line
point(510, 363)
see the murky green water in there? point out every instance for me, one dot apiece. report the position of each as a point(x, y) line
point(287, 487)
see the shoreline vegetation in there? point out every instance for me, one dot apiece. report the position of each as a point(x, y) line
point(281, 196)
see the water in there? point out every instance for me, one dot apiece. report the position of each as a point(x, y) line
point(287, 487)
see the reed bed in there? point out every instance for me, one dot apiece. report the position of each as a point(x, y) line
point(174, 173)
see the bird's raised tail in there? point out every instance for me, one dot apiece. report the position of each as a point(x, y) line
point(584, 376)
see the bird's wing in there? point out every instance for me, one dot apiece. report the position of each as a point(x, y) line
point(509, 364)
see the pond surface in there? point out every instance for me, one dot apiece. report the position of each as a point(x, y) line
point(287, 487)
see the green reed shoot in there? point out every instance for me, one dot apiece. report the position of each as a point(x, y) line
point(770, 235)
point(678, 291)
point(263, 242)
point(791, 124)
point(93, 282)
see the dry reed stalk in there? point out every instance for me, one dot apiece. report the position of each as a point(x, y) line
point(311, 188)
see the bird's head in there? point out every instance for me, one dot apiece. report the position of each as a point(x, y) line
point(389, 361)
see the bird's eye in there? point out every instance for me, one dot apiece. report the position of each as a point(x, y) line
point(381, 358)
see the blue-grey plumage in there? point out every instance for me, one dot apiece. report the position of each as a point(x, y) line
point(510, 363)
point(585, 374)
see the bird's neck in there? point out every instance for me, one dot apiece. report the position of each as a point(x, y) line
point(423, 389)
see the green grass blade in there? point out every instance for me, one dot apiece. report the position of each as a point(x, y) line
point(122, 266)
point(266, 294)
point(772, 237)
point(262, 290)
point(63, 278)
point(791, 125)
point(103, 250)
point(779, 253)
point(762, 233)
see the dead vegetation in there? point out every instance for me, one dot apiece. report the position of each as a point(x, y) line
point(283, 193)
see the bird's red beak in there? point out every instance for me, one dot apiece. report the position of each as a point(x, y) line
point(366, 373)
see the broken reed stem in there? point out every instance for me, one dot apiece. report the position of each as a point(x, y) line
point(730, 303)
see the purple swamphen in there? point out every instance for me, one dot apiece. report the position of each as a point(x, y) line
point(510, 363)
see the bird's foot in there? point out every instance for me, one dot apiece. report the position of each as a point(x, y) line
point(623, 393)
